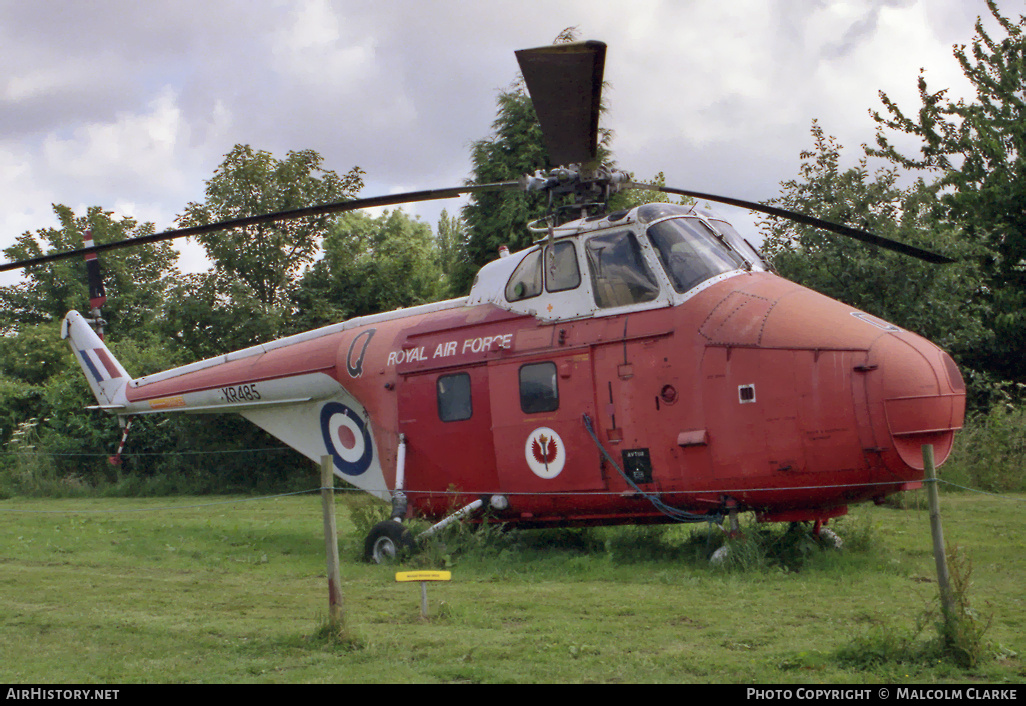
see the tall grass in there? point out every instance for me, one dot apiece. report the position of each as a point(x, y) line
point(990, 451)
point(959, 639)
point(757, 547)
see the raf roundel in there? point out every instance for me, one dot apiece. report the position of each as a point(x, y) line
point(545, 453)
point(347, 438)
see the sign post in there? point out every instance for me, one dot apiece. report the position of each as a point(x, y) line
point(423, 577)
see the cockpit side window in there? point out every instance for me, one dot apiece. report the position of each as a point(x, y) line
point(740, 244)
point(561, 270)
point(526, 281)
point(619, 275)
point(691, 253)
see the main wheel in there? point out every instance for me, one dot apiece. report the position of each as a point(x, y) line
point(387, 541)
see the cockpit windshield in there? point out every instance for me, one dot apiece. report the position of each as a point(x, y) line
point(691, 253)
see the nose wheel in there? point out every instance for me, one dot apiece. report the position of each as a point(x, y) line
point(830, 539)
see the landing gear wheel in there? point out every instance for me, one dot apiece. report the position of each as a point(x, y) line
point(386, 542)
point(829, 539)
point(720, 556)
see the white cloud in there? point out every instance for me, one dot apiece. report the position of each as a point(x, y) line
point(314, 49)
point(135, 148)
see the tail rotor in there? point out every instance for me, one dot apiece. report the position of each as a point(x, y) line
point(97, 294)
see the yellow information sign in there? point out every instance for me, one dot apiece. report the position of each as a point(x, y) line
point(423, 576)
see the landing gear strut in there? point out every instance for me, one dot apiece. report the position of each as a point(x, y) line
point(389, 539)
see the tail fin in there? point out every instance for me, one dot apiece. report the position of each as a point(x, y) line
point(106, 376)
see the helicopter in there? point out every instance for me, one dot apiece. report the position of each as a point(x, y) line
point(630, 367)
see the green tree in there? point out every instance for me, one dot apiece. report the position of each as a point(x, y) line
point(976, 150)
point(370, 265)
point(267, 258)
point(210, 314)
point(32, 354)
point(452, 244)
point(515, 148)
point(27, 360)
point(940, 302)
point(249, 295)
point(136, 279)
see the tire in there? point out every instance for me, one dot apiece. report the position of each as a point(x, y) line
point(387, 542)
point(720, 556)
point(829, 539)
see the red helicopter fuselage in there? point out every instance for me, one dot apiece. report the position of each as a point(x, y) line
point(642, 355)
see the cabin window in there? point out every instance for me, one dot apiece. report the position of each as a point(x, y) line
point(538, 389)
point(526, 281)
point(619, 275)
point(561, 270)
point(690, 252)
point(454, 397)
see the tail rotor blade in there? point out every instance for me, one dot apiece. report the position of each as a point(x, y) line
point(848, 231)
point(97, 294)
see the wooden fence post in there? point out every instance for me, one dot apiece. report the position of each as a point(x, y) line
point(939, 552)
point(336, 609)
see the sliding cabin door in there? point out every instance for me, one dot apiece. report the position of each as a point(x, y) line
point(446, 418)
point(542, 448)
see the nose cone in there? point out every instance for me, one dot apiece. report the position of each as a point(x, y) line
point(921, 393)
point(897, 388)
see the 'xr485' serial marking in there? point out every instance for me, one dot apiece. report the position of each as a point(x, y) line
point(240, 393)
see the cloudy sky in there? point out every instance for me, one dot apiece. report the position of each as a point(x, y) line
point(131, 105)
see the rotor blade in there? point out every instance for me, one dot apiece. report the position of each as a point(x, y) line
point(340, 207)
point(862, 235)
point(97, 294)
point(565, 83)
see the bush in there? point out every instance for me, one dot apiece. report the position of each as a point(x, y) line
point(990, 451)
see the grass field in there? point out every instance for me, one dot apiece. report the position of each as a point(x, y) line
point(214, 590)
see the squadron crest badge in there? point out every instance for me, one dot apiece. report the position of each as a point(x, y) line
point(545, 453)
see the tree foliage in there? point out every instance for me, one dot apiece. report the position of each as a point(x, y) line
point(248, 296)
point(370, 265)
point(267, 258)
point(976, 151)
point(32, 355)
point(496, 218)
point(939, 302)
point(137, 279)
point(451, 238)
